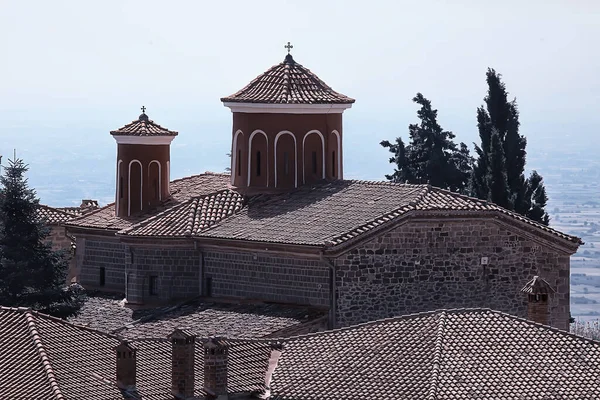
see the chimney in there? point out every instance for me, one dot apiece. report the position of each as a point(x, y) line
point(538, 293)
point(182, 363)
point(215, 368)
point(125, 354)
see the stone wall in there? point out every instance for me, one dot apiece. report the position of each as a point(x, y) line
point(94, 253)
point(175, 273)
point(60, 241)
point(430, 264)
point(268, 277)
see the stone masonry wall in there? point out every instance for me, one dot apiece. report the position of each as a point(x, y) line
point(426, 265)
point(60, 241)
point(175, 273)
point(267, 276)
point(95, 253)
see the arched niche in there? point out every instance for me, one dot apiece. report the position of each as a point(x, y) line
point(238, 156)
point(258, 159)
point(155, 181)
point(135, 187)
point(286, 165)
point(334, 158)
point(313, 160)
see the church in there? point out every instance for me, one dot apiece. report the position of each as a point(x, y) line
point(284, 226)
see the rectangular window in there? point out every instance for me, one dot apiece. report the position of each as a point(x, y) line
point(333, 164)
point(208, 292)
point(121, 187)
point(286, 164)
point(314, 162)
point(102, 276)
point(258, 163)
point(239, 163)
point(153, 285)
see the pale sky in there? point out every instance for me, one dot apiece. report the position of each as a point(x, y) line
point(73, 70)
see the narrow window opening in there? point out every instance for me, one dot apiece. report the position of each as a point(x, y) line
point(333, 164)
point(258, 163)
point(239, 163)
point(286, 164)
point(153, 287)
point(121, 187)
point(208, 286)
point(102, 276)
point(155, 186)
point(314, 162)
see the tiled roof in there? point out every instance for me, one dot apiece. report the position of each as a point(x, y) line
point(52, 215)
point(182, 190)
point(451, 355)
point(42, 357)
point(190, 217)
point(143, 126)
point(331, 214)
point(288, 83)
point(445, 354)
point(203, 318)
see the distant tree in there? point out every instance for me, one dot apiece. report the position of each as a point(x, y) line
point(431, 156)
point(31, 274)
point(498, 126)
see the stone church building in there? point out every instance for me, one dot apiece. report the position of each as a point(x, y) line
point(286, 227)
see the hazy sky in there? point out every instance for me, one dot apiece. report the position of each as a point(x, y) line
point(73, 70)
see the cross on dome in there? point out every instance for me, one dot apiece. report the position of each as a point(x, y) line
point(143, 109)
point(289, 47)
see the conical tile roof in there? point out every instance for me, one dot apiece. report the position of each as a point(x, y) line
point(288, 83)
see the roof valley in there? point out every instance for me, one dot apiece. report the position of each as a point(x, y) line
point(37, 341)
point(437, 357)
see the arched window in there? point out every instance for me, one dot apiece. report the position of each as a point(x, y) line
point(135, 187)
point(258, 159)
point(237, 157)
point(335, 149)
point(155, 180)
point(286, 167)
point(313, 162)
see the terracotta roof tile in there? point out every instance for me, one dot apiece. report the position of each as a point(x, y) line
point(203, 318)
point(53, 215)
point(288, 83)
point(143, 127)
point(452, 355)
point(190, 217)
point(182, 190)
point(331, 214)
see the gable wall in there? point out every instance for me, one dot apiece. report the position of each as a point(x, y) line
point(425, 265)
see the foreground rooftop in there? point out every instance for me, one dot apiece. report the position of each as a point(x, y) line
point(446, 354)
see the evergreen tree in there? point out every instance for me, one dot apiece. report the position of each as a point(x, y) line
point(500, 117)
point(431, 156)
point(31, 274)
point(536, 199)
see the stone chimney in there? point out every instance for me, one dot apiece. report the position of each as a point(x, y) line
point(215, 368)
point(182, 363)
point(538, 296)
point(126, 365)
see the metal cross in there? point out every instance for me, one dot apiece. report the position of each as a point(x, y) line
point(289, 47)
point(143, 109)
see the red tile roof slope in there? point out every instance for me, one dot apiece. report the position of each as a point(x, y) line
point(142, 127)
point(333, 213)
point(451, 355)
point(203, 318)
point(288, 83)
point(191, 217)
point(42, 357)
point(182, 190)
point(52, 215)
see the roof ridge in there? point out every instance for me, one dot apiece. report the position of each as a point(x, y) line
point(39, 345)
point(205, 173)
point(58, 209)
point(437, 357)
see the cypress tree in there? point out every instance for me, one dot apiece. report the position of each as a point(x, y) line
point(500, 117)
point(31, 274)
point(431, 156)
